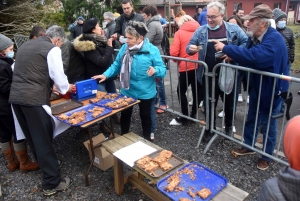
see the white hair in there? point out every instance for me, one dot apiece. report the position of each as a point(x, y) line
point(268, 21)
point(56, 32)
point(184, 19)
point(218, 5)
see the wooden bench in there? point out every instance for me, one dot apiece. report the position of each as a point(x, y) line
point(230, 192)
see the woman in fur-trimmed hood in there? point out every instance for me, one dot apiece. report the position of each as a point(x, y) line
point(97, 51)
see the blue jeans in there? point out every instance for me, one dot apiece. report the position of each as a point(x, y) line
point(160, 92)
point(263, 121)
point(153, 117)
point(107, 86)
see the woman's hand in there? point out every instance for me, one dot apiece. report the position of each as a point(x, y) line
point(101, 78)
point(109, 42)
point(150, 71)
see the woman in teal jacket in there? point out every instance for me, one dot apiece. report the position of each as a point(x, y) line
point(138, 63)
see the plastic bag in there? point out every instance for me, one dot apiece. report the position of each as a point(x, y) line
point(226, 79)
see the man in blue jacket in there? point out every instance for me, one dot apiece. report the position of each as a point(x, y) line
point(201, 43)
point(265, 51)
point(202, 17)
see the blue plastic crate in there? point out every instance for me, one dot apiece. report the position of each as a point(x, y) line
point(204, 178)
point(85, 89)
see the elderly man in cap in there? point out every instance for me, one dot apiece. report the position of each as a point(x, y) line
point(77, 30)
point(265, 51)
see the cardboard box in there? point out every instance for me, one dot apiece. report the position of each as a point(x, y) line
point(103, 159)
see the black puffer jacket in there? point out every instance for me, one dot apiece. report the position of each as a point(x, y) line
point(288, 36)
point(6, 74)
point(98, 57)
point(122, 21)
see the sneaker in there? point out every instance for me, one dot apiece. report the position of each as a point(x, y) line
point(242, 152)
point(240, 99)
point(64, 184)
point(248, 99)
point(221, 114)
point(262, 164)
point(181, 120)
point(156, 105)
point(191, 103)
point(233, 129)
point(201, 104)
point(299, 92)
point(152, 136)
point(159, 111)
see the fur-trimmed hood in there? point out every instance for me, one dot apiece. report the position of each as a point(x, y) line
point(83, 45)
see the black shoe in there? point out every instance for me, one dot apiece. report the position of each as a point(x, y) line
point(228, 130)
point(207, 136)
point(181, 120)
point(299, 92)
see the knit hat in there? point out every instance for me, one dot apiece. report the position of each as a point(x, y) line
point(278, 14)
point(5, 42)
point(291, 142)
point(89, 25)
point(80, 18)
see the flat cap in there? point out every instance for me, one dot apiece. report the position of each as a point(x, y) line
point(262, 11)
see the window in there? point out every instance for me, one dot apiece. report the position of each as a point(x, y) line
point(291, 7)
point(236, 7)
point(256, 4)
point(277, 5)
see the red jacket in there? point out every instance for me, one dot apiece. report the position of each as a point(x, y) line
point(181, 39)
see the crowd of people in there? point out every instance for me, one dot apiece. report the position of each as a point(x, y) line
point(56, 63)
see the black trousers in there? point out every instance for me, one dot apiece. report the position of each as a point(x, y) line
point(7, 126)
point(37, 127)
point(229, 103)
point(145, 114)
point(186, 79)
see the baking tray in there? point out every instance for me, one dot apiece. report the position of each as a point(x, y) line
point(88, 116)
point(174, 160)
point(204, 178)
point(104, 101)
point(54, 96)
point(65, 106)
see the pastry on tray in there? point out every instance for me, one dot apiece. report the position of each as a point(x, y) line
point(143, 161)
point(184, 199)
point(190, 192)
point(165, 166)
point(63, 117)
point(173, 181)
point(204, 193)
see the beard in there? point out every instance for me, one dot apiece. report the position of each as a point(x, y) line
point(249, 33)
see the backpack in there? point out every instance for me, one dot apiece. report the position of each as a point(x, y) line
point(165, 45)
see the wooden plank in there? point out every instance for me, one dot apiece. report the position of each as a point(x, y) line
point(111, 146)
point(134, 137)
point(123, 141)
point(146, 189)
point(127, 175)
point(232, 193)
point(118, 176)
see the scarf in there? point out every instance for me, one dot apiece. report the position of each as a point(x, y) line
point(291, 142)
point(97, 39)
point(126, 65)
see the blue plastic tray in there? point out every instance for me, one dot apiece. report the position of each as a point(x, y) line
point(88, 116)
point(104, 101)
point(204, 178)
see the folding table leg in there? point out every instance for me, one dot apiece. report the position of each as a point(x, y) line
point(91, 149)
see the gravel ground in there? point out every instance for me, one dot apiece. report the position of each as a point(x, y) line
point(182, 140)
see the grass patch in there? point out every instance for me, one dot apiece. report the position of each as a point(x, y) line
point(296, 64)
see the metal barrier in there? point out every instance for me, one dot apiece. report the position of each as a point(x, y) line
point(20, 39)
point(239, 139)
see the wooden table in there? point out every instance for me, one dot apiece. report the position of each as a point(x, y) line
point(230, 192)
point(88, 125)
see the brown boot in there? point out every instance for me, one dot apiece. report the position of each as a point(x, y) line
point(25, 164)
point(116, 118)
point(10, 157)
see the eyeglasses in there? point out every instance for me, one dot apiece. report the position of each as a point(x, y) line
point(212, 17)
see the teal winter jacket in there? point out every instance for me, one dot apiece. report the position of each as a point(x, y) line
point(142, 86)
